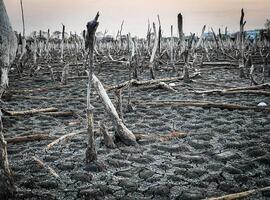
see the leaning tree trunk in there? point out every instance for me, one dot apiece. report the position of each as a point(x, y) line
point(91, 153)
point(6, 180)
point(8, 47)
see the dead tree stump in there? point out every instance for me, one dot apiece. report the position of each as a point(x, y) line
point(91, 153)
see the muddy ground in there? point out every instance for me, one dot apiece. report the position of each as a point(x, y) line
point(225, 151)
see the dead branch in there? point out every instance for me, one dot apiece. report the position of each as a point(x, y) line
point(123, 133)
point(240, 195)
point(29, 112)
point(29, 138)
point(159, 137)
point(64, 137)
point(202, 104)
point(45, 166)
point(134, 82)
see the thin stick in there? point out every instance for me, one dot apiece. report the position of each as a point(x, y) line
point(42, 164)
point(23, 19)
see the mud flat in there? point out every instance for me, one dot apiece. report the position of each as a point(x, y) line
point(224, 152)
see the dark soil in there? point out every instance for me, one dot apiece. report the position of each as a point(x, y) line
point(225, 151)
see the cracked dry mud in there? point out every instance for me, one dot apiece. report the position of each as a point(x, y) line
point(225, 151)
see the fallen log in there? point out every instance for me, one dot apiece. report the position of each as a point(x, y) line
point(225, 92)
point(134, 82)
point(28, 138)
point(45, 166)
point(202, 104)
point(220, 64)
point(159, 85)
point(240, 195)
point(160, 137)
point(29, 112)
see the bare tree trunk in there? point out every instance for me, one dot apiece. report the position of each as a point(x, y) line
point(62, 43)
point(241, 45)
point(152, 59)
point(91, 153)
point(8, 46)
point(172, 48)
point(23, 19)
point(7, 183)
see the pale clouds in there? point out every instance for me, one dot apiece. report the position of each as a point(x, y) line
point(43, 14)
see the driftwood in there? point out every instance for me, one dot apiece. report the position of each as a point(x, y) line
point(29, 112)
point(134, 82)
point(45, 166)
point(123, 133)
point(28, 138)
point(226, 92)
point(159, 85)
point(240, 195)
point(159, 137)
point(64, 137)
point(202, 104)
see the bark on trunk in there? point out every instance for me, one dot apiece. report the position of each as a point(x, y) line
point(91, 153)
point(122, 132)
point(7, 183)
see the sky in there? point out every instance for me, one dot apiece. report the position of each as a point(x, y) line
point(44, 14)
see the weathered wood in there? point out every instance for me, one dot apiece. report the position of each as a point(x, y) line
point(65, 74)
point(242, 46)
point(240, 195)
point(122, 132)
point(45, 166)
point(202, 104)
point(134, 82)
point(108, 139)
point(119, 103)
point(91, 153)
point(154, 50)
point(8, 47)
point(250, 92)
point(159, 137)
point(64, 137)
point(29, 138)
point(7, 182)
point(29, 112)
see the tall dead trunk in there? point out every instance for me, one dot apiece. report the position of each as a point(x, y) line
point(241, 45)
point(91, 153)
point(152, 59)
point(62, 43)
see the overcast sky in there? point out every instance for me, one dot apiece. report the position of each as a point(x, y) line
point(44, 14)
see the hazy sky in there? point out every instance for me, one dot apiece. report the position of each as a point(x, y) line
point(44, 14)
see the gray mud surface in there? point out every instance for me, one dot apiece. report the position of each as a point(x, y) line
point(225, 151)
